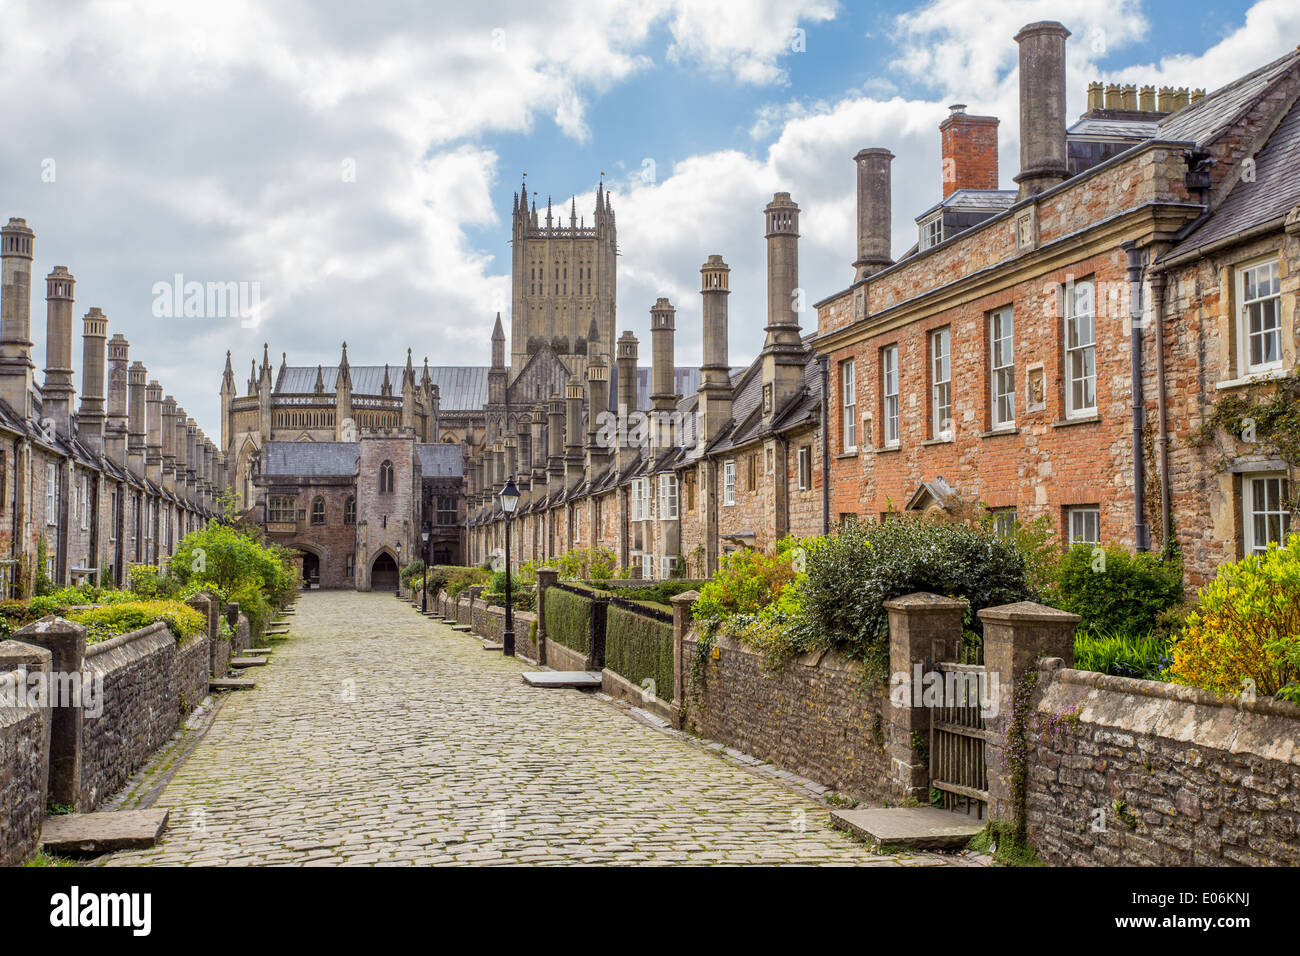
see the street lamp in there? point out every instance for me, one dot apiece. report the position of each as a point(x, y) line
point(509, 502)
point(424, 597)
point(397, 591)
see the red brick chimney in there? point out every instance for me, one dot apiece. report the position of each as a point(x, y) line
point(970, 151)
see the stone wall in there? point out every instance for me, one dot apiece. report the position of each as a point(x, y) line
point(140, 709)
point(489, 621)
point(190, 666)
point(813, 717)
point(1141, 773)
point(24, 763)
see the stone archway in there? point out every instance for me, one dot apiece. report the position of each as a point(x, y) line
point(383, 572)
point(310, 570)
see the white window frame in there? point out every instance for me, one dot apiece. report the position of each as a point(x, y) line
point(1002, 367)
point(1259, 305)
point(1004, 521)
point(1086, 514)
point(51, 493)
point(648, 566)
point(669, 565)
point(1080, 347)
point(729, 482)
point(668, 510)
point(1274, 512)
point(890, 403)
point(803, 468)
point(849, 404)
point(932, 231)
point(941, 384)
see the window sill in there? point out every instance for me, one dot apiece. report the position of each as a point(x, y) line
point(1001, 430)
point(1081, 420)
point(847, 454)
point(1266, 375)
point(886, 449)
point(938, 441)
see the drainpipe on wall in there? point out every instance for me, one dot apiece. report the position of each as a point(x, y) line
point(1162, 427)
point(1141, 533)
point(824, 363)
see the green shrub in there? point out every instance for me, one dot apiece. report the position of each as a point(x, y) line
point(522, 595)
point(1122, 655)
point(568, 619)
point(1115, 591)
point(639, 648)
point(147, 580)
point(458, 579)
point(661, 592)
point(850, 575)
point(747, 581)
point(111, 620)
point(233, 560)
point(1246, 627)
point(411, 572)
point(584, 564)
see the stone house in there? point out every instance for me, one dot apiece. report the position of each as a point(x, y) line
point(87, 489)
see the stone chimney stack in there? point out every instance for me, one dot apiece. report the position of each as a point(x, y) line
point(783, 355)
point(537, 443)
point(191, 456)
point(599, 444)
point(625, 365)
point(970, 151)
point(135, 447)
point(169, 442)
point(153, 398)
point(573, 398)
point(90, 417)
point(1043, 159)
point(663, 326)
point(715, 373)
point(555, 438)
point(16, 365)
point(178, 445)
point(58, 392)
point(874, 205)
point(116, 430)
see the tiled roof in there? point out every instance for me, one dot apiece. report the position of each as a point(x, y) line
point(1274, 192)
point(441, 460)
point(315, 458)
point(1202, 121)
point(460, 387)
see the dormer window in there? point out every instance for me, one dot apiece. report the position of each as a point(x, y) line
point(932, 231)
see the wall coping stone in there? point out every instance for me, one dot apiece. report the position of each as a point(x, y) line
point(121, 640)
point(1026, 612)
point(922, 602)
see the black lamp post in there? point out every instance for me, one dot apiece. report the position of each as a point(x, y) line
point(397, 591)
point(424, 596)
point(509, 501)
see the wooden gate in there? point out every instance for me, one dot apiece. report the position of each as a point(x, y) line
point(957, 737)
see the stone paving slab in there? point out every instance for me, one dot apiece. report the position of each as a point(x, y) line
point(383, 738)
point(248, 662)
point(101, 832)
point(562, 678)
point(231, 683)
point(927, 828)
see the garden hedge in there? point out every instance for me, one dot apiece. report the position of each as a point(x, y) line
point(638, 647)
point(568, 619)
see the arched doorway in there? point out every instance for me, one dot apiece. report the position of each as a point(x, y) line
point(310, 570)
point(383, 573)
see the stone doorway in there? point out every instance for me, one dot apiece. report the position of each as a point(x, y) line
point(383, 573)
point(310, 570)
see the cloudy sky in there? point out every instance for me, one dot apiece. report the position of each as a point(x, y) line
point(356, 161)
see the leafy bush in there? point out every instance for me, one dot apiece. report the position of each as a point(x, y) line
point(111, 620)
point(1247, 627)
point(411, 572)
point(638, 648)
point(568, 619)
point(584, 564)
point(147, 580)
point(1122, 655)
point(458, 579)
point(746, 582)
point(522, 596)
point(234, 560)
point(850, 575)
point(1115, 591)
point(661, 592)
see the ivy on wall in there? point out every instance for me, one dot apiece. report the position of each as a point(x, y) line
point(1268, 420)
point(568, 619)
point(639, 648)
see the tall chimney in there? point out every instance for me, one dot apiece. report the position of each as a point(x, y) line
point(191, 456)
point(115, 433)
point(715, 373)
point(58, 391)
point(90, 416)
point(135, 448)
point(169, 443)
point(970, 151)
point(598, 431)
point(874, 203)
point(537, 443)
point(1043, 158)
point(663, 325)
point(16, 365)
point(783, 355)
point(573, 431)
point(555, 438)
point(625, 363)
point(153, 398)
point(178, 445)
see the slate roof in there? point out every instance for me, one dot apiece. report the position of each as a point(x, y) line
point(1274, 193)
point(438, 461)
point(460, 387)
point(1115, 128)
point(974, 199)
point(1204, 120)
point(310, 458)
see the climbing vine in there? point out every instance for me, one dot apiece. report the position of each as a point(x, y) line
point(1268, 420)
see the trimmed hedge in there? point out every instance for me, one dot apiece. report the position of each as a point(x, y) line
point(568, 619)
point(638, 647)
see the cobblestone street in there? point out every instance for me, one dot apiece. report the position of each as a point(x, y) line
point(377, 736)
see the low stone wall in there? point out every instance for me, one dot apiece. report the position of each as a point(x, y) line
point(814, 717)
point(561, 658)
point(24, 759)
point(489, 621)
point(1142, 773)
point(139, 713)
point(190, 665)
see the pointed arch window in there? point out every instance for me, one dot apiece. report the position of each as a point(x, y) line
point(386, 478)
point(318, 510)
point(350, 510)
